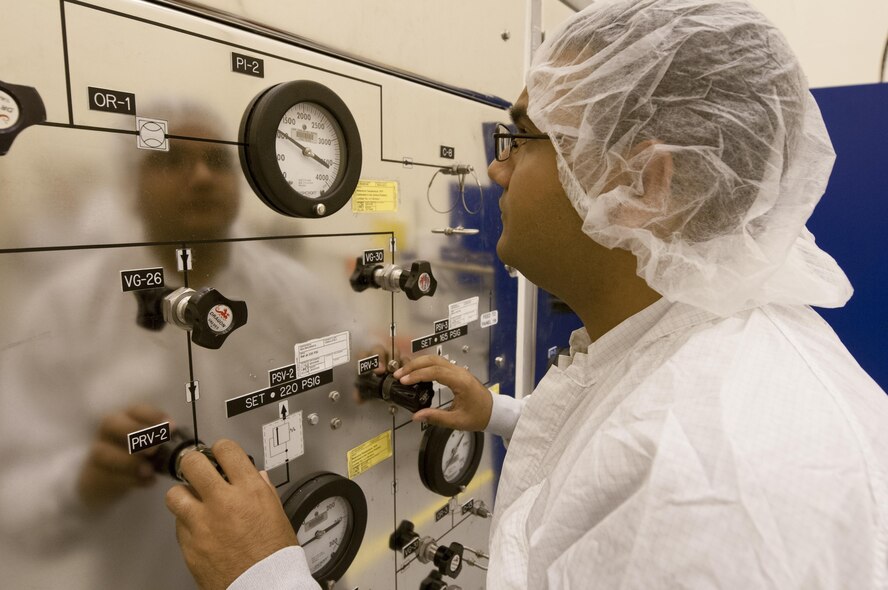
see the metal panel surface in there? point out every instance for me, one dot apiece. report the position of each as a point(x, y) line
point(81, 203)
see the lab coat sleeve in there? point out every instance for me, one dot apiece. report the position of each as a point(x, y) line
point(39, 499)
point(504, 415)
point(286, 569)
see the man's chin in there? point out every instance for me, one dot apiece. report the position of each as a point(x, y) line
point(502, 252)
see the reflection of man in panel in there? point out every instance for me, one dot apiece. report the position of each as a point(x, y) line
point(84, 364)
point(708, 429)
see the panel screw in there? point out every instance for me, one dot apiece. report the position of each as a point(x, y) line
point(393, 365)
point(313, 419)
point(465, 348)
point(334, 396)
point(506, 35)
point(499, 361)
point(393, 410)
point(335, 423)
point(320, 209)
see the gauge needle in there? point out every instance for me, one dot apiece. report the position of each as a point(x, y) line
point(322, 532)
point(305, 151)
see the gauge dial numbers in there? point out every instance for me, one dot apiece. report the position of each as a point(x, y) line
point(309, 149)
point(329, 514)
point(448, 459)
point(300, 149)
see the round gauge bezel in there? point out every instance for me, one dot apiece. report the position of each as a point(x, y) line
point(316, 488)
point(431, 456)
point(258, 152)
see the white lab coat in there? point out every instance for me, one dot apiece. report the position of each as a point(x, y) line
point(684, 450)
point(75, 354)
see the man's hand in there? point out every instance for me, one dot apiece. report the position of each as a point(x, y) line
point(224, 527)
point(472, 403)
point(110, 471)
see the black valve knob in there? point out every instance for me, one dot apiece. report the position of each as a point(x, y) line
point(168, 457)
point(209, 315)
point(433, 581)
point(449, 560)
point(419, 282)
point(20, 107)
point(414, 397)
point(402, 536)
point(165, 458)
point(213, 317)
point(416, 282)
point(362, 277)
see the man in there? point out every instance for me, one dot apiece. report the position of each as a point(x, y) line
point(83, 365)
point(708, 428)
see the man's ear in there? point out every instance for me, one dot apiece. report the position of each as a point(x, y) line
point(648, 209)
point(656, 175)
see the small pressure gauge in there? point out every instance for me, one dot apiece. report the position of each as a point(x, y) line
point(20, 107)
point(449, 458)
point(329, 514)
point(300, 149)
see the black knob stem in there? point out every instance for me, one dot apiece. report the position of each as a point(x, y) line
point(403, 535)
point(433, 581)
point(385, 387)
point(362, 277)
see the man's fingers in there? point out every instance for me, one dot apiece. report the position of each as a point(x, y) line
point(114, 459)
point(420, 362)
point(200, 473)
point(266, 479)
point(180, 500)
point(183, 533)
point(234, 461)
point(456, 378)
point(448, 418)
point(147, 415)
point(115, 427)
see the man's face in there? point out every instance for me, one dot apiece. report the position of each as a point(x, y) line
point(191, 191)
point(539, 222)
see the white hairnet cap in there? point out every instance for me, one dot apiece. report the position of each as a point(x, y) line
point(685, 133)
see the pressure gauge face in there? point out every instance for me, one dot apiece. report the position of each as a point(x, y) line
point(9, 111)
point(457, 456)
point(300, 149)
point(329, 514)
point(20, 107)
point(449, 458)
point(323, 531)
point(309, 149)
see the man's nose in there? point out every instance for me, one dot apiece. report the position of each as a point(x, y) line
point(201, 172)
point(500, 172)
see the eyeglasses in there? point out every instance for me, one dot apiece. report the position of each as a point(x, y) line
point(506, 142)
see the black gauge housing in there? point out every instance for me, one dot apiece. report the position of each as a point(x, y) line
point(258, 156)
point(311, 491)
point(431, 458)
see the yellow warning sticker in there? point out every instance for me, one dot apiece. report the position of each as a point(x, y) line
point(494, 389)
point(375, 196)
point(366, 455)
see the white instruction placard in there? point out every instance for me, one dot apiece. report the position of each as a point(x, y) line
point(490, 318)
point(463, 312)
point(321, 354)
point(282, 440)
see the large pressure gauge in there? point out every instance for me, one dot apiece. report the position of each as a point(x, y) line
point(300, 149)
point(329, 514)
point(449, 458)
